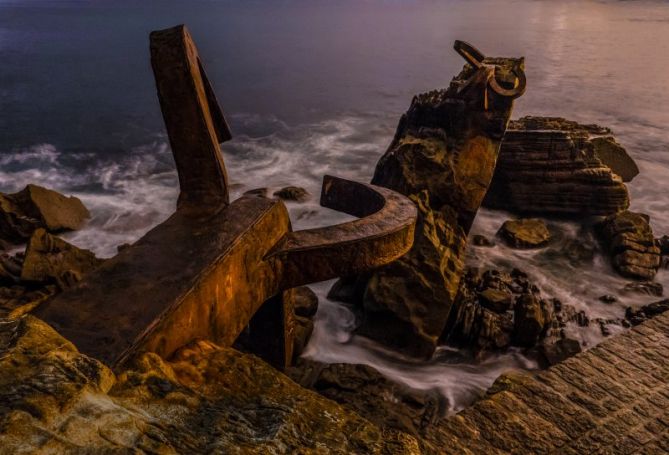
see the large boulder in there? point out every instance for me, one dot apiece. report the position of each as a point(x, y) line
point(495, 310)
point(37, 207)
point(207, 399)
point(553, 166)
point(628, 238)
point(525, 233)
point(443, 156)
point(49, 259)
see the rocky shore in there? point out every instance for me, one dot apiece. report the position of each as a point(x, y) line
point(451, 154)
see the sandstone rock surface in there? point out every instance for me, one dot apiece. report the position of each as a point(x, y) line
point(49, 259)
point(292, 193)
point(628, 238)
point(37, 207)
point(525, 233)
point(208, 399)
point(551, 166)
point(443, 156)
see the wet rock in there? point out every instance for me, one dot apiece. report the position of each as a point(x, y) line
point(364, 390)
point(663, 244)
point(123, 246)
point(496, 300)
point(628, 238)
point(407, 302)
point(550, 166)
point(644, 287)
point(525, 233)
point(482, 240)
point(532, 317)
point(303, 328)
point(614, 155)
point(206, 399)
point(49, 259)
point(348, 290)
point(562, 349)
point(305, 302)
point(260, 192)
point(292, 193)
point(478, 324)
point(37, 207)
point(443, 156)
point(608, 299)
point(636, 317)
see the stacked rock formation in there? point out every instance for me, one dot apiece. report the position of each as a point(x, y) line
point(443, 157)
point(629, 240)
point(553, 166)
point(36, 207)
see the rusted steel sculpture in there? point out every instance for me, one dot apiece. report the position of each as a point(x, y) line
point(215, 268)
point(484, 74)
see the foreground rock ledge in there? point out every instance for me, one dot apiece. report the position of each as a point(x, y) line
point(208, 399)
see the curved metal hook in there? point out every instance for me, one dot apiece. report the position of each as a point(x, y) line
point(475, 58)
point(515, 92)
point(383, 234)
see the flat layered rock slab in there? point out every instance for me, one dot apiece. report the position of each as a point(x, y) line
point(613, 398)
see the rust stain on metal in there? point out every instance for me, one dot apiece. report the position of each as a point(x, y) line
point(213, 266)
point(485, 73)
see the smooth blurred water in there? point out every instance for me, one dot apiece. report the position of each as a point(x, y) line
point(313, 87)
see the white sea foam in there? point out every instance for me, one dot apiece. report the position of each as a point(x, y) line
point(129, 194)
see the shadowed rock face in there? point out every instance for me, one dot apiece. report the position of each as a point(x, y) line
point(552, 166)
point(443, 157)
point(208, 399)
point(37, 207)
point(628, 238)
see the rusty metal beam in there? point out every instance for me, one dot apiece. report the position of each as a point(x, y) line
point(194, 120)
point(213, 268)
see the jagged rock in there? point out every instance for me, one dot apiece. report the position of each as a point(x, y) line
point(496, 300)
point(49, 259)
point(443, 156)
point(614, 155)
point(636, 317)
point(303, 328)
point(663, 244)
point(17, 300)
point(549, 166)
point(405, 303)
point(531, 319)
point(475, 323)
point(644, 287)
point(292, 193)
point(608, 298)
point(37, 207)
point(560, 350)
point(367, 392)
point(260, 192)
point(207, 399)
point(525, 233)
point(482, 240)
point(628, 238)
point(304, 302)
point(349, 290)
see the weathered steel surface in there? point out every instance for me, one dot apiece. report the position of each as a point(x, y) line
point(485, 73)
point(194, 120)
point(215, 268)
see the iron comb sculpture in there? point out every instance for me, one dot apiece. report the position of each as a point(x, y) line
point(216, 267)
